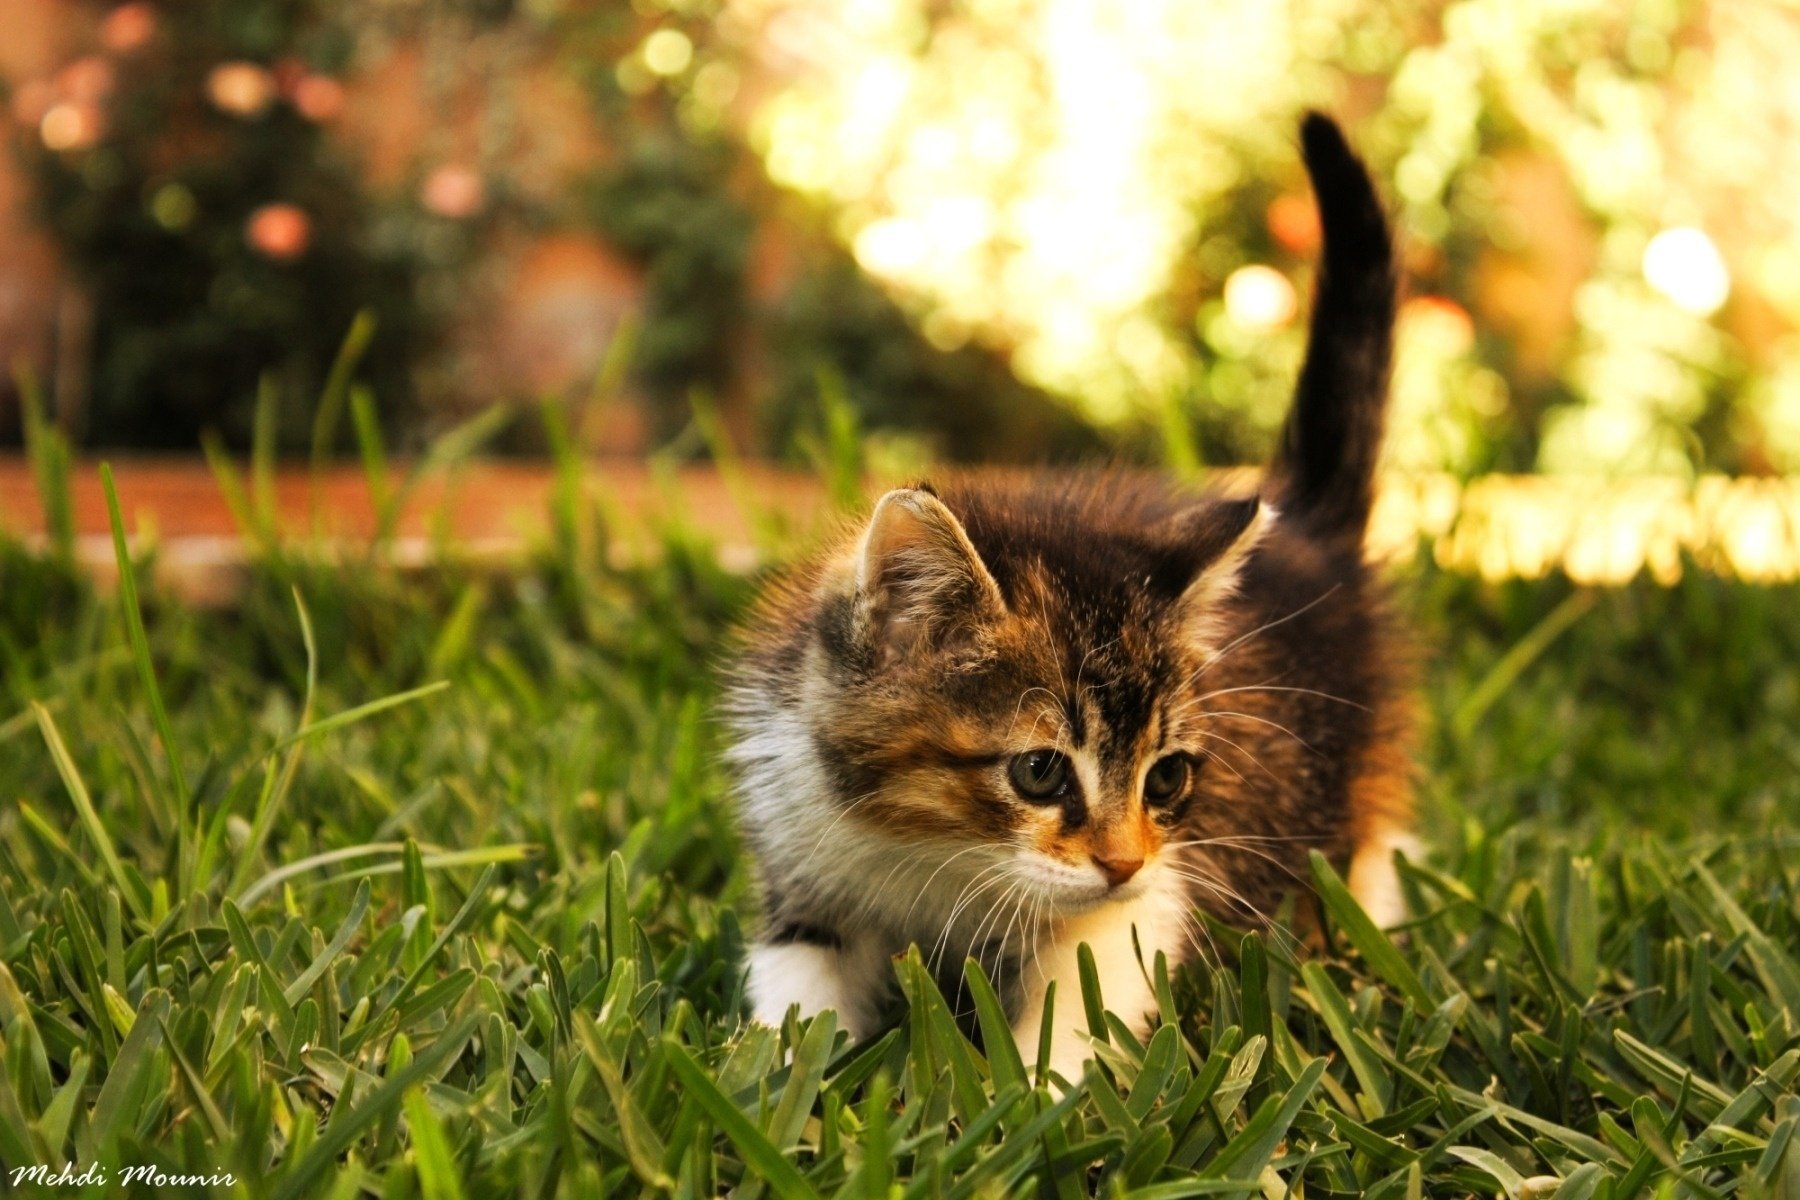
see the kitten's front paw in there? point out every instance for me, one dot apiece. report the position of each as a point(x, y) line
point(1070, 1054)
point(1375, 882)
point(1070, 1049)
point(799, 973)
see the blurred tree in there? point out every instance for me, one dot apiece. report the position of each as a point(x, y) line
point(687, 199)
point(218, 233)
point(1600, 204)
point(665, 202)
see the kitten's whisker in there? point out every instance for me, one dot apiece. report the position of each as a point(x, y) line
point(925, 888)
point(1292, 944)
point(1241, 843)
point(1080, 669)
point(977, 941)
point(1020, 707)
point(905, 861)
point(1189, 703)
point(1283, 867)
point(1197, 930)
point(1051, 714)
point(1261, 687)
point(1220, 758)
point(1260, 629)
point(1031, 897)
point(1226, 838)
point(1028, 955)
point(970, 890)
point(1264, 721)
point(967, 896)
point(833, 824)
point(1241, 749)
point(943, 939)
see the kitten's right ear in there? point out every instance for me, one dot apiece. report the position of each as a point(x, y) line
point(919, 581)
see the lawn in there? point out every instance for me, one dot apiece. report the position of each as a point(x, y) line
point(399, 883)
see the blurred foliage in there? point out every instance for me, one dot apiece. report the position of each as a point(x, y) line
point(666, 204)
point(220, 235)
point(996, 222)
point(687, 200)
point(962, 403)
point(1598, 203)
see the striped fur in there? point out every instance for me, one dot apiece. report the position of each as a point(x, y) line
point(885, 688)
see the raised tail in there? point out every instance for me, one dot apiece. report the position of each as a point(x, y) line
point(1325, 468)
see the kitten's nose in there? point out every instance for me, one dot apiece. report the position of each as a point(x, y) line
point(1118, 870)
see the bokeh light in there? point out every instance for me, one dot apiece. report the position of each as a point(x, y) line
point(279, 231)
point(1684, 265)
point(1260, 298)
point(71, 125)
point(242, 89)
point(1531, 147)
point(668, 52)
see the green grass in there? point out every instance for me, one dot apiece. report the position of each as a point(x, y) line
point(272, 904)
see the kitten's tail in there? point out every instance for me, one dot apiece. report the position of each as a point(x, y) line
point(1326, 463)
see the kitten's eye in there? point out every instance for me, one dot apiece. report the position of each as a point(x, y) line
point(1040, 775)
point(1165, 779)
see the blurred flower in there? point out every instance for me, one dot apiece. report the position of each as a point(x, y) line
point(128, 27)
point(72, 125)
point(1684, 265)
point(279, 231)
point(87, 80)
point(668, 52)
point(453, 191)
point(1260, 298)
point(242, 89)
point(1294, 223)
point(318, 98)
point(32, 101)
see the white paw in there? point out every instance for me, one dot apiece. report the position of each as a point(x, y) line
point(1374, 881)
point(812, 977)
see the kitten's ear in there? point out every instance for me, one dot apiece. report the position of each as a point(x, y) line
point(919, 580)
point(1208, 545)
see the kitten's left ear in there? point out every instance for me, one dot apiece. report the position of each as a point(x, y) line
point(919, 581)
point(1208, 545)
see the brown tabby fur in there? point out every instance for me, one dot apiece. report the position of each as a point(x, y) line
point(884, 687)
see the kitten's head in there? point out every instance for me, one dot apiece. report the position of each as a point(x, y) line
point(1018, 677)
point(1012, 674)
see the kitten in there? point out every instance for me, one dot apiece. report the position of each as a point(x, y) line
point(1007, 717)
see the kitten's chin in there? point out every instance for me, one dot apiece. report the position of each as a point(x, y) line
point(1101, 895)
point(1073, 891)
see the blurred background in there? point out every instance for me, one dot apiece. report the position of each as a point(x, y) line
point(997, 230)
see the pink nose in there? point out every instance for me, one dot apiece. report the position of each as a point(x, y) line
point(1118, 870)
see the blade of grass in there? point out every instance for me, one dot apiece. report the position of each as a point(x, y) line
point(387, 1096)
point(440, 1178)
point(760, 1154)
point(1517, 660)
point(84, 809)
point(361, 712)
point(337, 384)
point(49, 454)
point(146, 669)
point(434, 860)
point(1376, 947)
point(113, 1113)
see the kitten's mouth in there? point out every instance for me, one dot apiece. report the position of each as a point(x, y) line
point(1076, 891)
